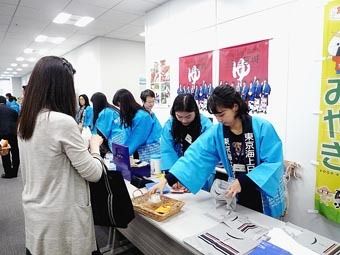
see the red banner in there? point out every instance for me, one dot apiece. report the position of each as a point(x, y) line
point(246, 62)
point(245, 67)
point(195, 77)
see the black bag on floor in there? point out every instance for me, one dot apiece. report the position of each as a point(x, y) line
point(110, 200)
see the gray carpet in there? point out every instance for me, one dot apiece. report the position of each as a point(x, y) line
point(12, 229)
point(12, 235)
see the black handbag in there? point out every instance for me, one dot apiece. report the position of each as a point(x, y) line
point(110, 200)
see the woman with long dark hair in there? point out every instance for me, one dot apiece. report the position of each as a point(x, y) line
point(56, 165)
point(249, 148)
point(185, 125)
point(106, 122)
point(139, 127)
point(84, 116)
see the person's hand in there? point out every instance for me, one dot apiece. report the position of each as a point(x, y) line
point(158, 186)
point(95, 142)
point(234, 188)
point(179, 187)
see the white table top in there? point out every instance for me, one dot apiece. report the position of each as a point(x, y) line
point(200, 213)
point(196, 215)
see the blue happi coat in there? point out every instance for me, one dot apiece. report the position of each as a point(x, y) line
point(143, 136)
point(88, 117)
point(169, 153)
point(201, 157)
point(14, 105)
point(108, 124)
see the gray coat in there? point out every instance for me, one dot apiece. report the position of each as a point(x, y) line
point(56, 166)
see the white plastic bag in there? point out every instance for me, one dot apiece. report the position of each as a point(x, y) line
point(218, 190)
point(86, 135)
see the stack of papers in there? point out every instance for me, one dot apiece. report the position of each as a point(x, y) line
point(280, 238)
point(235, 235)
point(221, 240)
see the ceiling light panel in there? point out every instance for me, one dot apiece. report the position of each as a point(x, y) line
point(28, 51)
point(84, 21)
point(56, 40)
point(62, 18)
point(41, 38)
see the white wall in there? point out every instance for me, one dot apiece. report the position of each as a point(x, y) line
point(16, 87)
point(25, 79)
point(11, 85)
point(183, 27)
point(5, 86)
point(122, 64)
point(106, 65)
point(86, 62)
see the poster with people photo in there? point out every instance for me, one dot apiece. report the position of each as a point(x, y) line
point(160, 82)
point(245, 67)
point(195, 77)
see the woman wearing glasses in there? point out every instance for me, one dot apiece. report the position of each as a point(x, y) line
point(84, 116)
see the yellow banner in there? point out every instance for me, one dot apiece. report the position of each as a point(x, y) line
point(327, 197)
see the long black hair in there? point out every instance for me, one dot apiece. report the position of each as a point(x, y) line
point(50, 86)
point(226, 96)
point(185, 103)
point(99, 102)
point(87, 102)
point(127, 105)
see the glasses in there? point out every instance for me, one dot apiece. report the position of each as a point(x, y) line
point(67, 65)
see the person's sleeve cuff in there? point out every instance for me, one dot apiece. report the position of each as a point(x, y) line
point(171, 179)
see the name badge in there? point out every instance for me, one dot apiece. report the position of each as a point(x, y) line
point(239, 168)
point(188, 138)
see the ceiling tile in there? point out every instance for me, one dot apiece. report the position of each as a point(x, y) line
point(127, 31)
point(5, 19)
point(80, 8)
point(46, 5)
point(139, 22)
point(57, 52)
point(102, 3)
point(11, 2)
point(6, 9)
point(20, 23)
point(158, 2)
point(113, 16)
point(135, 6)
point(12, 45)
point(35, 14)
point(98, 28)
point(59, 30)
point(3, 29)
point(75, 41)
point(20, 36)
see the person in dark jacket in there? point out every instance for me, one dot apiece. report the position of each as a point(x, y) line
point(8, 121)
